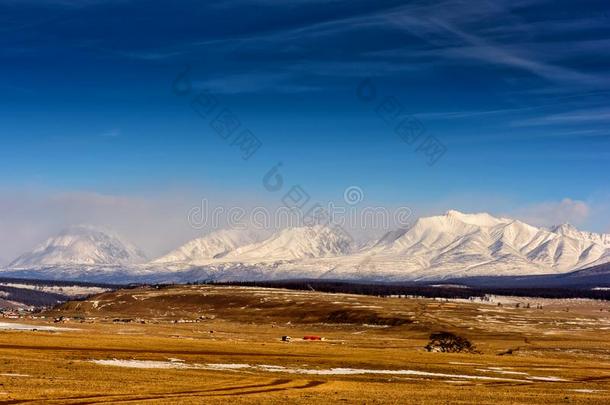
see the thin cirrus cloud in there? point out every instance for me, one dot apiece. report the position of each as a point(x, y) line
point(596, 116)
point(445, 34)
point(460, 44)
point(254, 83)
point(443, 41)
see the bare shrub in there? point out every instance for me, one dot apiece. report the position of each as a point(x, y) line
point(447, 342)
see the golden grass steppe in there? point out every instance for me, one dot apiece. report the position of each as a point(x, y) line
point(203, 344)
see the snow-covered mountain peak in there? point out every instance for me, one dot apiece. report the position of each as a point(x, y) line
point(297, 243)
point(84, 244)
point(479, 219)
point(567, 227)
point(570, 231)
point(214, 245)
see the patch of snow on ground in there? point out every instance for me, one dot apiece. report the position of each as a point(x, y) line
point(499, 370)
point(141, 363)
point(69, 290)
point(280, 369)
point(23, 326)
point(551, 378)
point(230, 366)
point(587, 391)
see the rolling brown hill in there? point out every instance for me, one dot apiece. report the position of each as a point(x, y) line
point(239, 304)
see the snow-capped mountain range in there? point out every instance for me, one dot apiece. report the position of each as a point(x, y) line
point(446, 246)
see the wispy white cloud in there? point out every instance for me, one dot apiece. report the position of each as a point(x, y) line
point(550, 213)
point(595, 115)
point(471, 46)
point(254, 83)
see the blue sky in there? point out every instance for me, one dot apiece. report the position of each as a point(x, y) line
point(517, 92)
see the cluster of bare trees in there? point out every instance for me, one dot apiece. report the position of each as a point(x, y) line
point(447, 342)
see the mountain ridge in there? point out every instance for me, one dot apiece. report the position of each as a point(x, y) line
point(451, 245)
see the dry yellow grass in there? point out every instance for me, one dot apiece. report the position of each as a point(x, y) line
point(558, 355)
